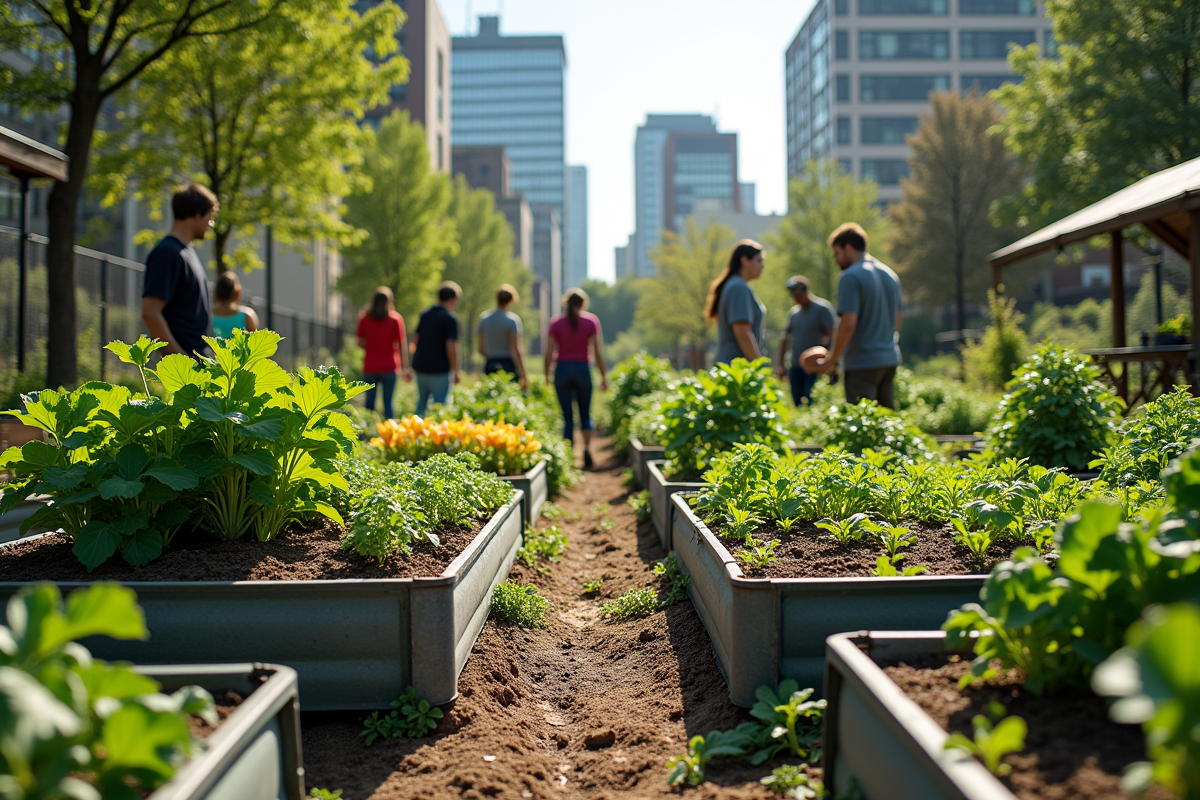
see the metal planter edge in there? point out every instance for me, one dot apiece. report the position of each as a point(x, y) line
point(641, 455)
point(661, 491)
point(536, 486)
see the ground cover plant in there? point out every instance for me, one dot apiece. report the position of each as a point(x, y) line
point(1055, 412)
point(630, 381)
point(497, 397)
point(547, 543)
point(878, 497)
point(394, 506)
point(410, 716)
point(501, 448)
point(643, 602)
point(74, 727)
point(1114, 583)
point(519, 604)
point(715, 410)
point(232, 444)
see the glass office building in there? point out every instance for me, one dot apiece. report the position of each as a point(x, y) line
point(509, 91)
point(859, 73)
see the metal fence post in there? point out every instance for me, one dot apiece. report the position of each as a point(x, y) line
point(103, 337)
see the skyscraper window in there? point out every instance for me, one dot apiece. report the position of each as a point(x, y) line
point(881, 8)
point(992, 44)
point(900, 88)
point(897, 45)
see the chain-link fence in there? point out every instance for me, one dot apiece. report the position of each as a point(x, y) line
point(108, 303)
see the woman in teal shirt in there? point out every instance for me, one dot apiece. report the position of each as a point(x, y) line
point(228, 314)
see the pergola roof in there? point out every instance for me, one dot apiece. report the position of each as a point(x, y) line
point(24, 156)
point(1160, 202)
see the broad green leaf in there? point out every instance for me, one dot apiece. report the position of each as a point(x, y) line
point(269, 376)
point(117, 486)
point(328, 511)
point(117, 682)
point(176, 371)
point(270, 429)
point(171, 516)
point(103, 609)
point(77, 498)
point(260, 462)
point(135, 737)
point(95, 543)
point(261, 344)
point(38, 519)
point(142, 547)
point(40, 454)
point(61, 478)
point(129, 524)
point(131, 460)
point(178, 478)
point(30, 714)
point(315, 393)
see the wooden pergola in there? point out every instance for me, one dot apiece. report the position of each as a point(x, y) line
point(1167, 204)
point(27, 160)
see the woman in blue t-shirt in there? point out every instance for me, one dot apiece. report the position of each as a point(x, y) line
point(228, 315)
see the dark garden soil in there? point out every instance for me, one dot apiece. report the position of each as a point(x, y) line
point(295, 555)
point(584, 708)
point(1072, 750)
point(225, 703)
point(804, 552)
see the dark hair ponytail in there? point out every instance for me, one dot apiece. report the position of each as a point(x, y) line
point(381, 303)
point(746, 248)
point(227, 286)
point(574, 302)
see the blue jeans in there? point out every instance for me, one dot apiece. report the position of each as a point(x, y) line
point(432, 386)
point(573, 379)
point(385, 381)
point(500, 363)
point(802, 384)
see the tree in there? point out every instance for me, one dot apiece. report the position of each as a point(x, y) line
point(959, 170)
point(615, 304)
point(405, 214)
point(670, 312)
point(1121, 101)
point(819, 200)
point(248, 116)
point(88, 50)
point(484, 259)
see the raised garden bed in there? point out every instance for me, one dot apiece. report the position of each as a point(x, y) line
point(10, 523)
point(640, 456)
point(764, 630)
point(355, 642)
point(661, 490)
point(254, 754)
point(14, 434)
point(879, 735)
point(536, 487)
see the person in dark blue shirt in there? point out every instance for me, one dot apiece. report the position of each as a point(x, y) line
point(176, 306)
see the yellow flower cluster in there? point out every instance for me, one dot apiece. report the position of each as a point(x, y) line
point(501, 448)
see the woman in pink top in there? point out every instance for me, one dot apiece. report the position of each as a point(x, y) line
point(572, 336)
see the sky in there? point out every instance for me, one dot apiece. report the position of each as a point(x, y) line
point(628, 58)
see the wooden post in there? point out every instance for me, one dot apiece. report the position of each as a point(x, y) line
point(1117, 262)
point(1194, 259)
point(996, 278)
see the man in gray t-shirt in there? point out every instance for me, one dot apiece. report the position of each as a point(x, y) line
point(871, 310)
point(809, 324)
point(500, 337)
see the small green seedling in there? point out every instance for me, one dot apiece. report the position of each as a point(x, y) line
point(792, 782)
point(889, 567)
point(996, 736)
point(740, 522)
point(850, 529)
point(548, 543)
point(607, 525)
point(325, 794)
point(673, 579)
point(791, 722)
point(758, 556)
point(689, 768)
point(893, 537)
point(975, 542)
point(632, 604)
point(410, 717)
point(593, 587)
point(640, 503)
point(519, 604)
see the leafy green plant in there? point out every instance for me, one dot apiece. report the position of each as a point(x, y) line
point(990, 362)
point(996, 736)
point(1055, 411)
point(410, 717)
point(941, 405)
point(640, 503)
point(1177, 326)
point(593, 587)
point(711, 412)
point(976, 542)
point(1162, 431)
point(758, 555)
point(392, 506)
point(844, 531)
point(631, 605)
point(74, 727)
point(791, 722)
point(892, 537)
point(673, 580)
point(888, 566)
point(1156, 677)
point(325, 794)
point(793, 782)
point(548, 543)
point(870, 426)
point(688, 768)
point(520, 605)
point(632, 379)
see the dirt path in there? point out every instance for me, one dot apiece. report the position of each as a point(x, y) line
point(585, 708)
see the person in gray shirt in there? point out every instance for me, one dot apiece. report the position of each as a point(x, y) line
point(809, 324)
point(500, 337)
point(735, 308)
point(871, 311)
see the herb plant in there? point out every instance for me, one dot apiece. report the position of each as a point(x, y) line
point(996, 736)
point(74, 727)
point(688, 768)
point(792, 722)
point(410, 717)
point(710, 413)
point(519, 604)
point(547, 543)
point(1149, 440)
point(632, 604)
point(1055, 411)
point(793, 782)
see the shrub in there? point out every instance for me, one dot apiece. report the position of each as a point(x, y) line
point(944, 406)
point(1148, 441)
point(646, 419)
point(990, 362)
point(632, 379)
point(501, 448)
point(729, 404)
point(869, 425)
point(1056, 412)
point(519, 605)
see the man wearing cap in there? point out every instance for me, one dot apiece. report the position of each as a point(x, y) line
point(809, 324)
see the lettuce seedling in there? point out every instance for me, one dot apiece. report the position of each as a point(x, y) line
point(791, 722)
point(996, 736)
point(758, 556)
point(847, 530)
point(689, 767)
point(886, 567)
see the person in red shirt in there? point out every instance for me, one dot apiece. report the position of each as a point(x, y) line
point(572, 335)
point(381, 336)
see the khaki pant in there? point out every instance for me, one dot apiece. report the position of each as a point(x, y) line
point(873, 384)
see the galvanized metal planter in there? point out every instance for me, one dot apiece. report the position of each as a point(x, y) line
point(255, 753)
point(661, 491)
point(356, 644)
point(764, 630)
point(536, 486)
point(10, 523)
point(640, 456)
point(877, 735)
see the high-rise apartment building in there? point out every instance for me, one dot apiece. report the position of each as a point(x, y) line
point(859, 74)
point(682, 166)
point(509, 91)
point(575, 234)
point(425, 42)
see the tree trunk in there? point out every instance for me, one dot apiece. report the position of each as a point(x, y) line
point(62, 206)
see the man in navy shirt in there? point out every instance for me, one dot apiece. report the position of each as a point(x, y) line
point(175, 301)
